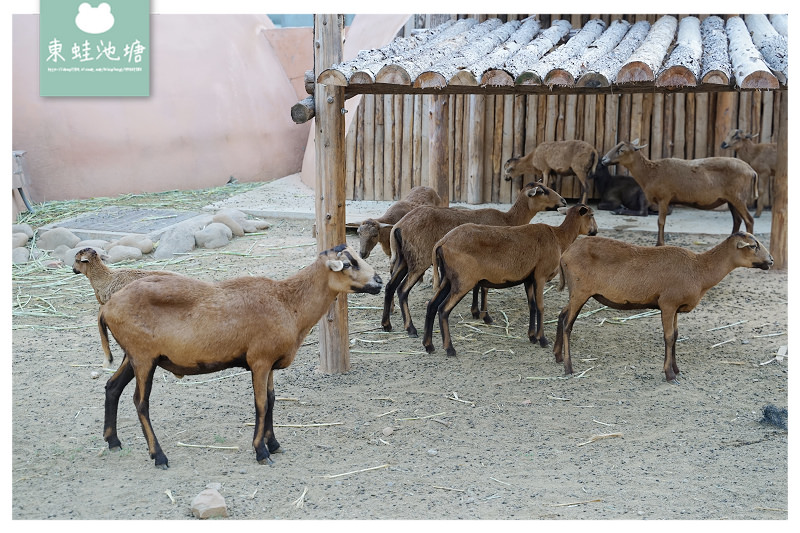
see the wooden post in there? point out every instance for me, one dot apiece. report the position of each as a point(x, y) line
point(329, 189)
point(475, 149)
point(778, 232)
point(438, 151)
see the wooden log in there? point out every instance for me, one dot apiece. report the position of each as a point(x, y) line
point(701, 125)
point(682, 67)
point(669, 121)
point(378, 149)
point(773, 46)
point(716, 64)
point(778, 242)
point(743, 118)
point(679, 129)
point(645, 61)
point(636, 118)
point(358, 187)
point(368, 102)
point(309, 82)
point(438, 153)
point(330, 188)
point(459, 142)
point(490, 70)
point(549, 68)
point(569, 71)
point(303, 111)
point(517, 144)
point(781, 23)
point(416, 136)
point(611, 124)
point(497, 148)
point(488, 146)
point(725, 119)
point(397, 176)
point(389, 122)
point(750, 70)
point(519, 64)
point(551, 118)
point(647, 117)
point(407, 151)
point(691, 115)
point(765, 129)
point(350, 159)
point(657, 127)
point(570, 116)
point(603, 71)
point(475, 148)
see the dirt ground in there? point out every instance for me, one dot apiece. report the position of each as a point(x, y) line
point(494, 433)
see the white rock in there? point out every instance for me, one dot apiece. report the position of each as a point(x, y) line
point(22, 228)
point(18, 240)
point(92, 243)
point(20, 255)
point(123, 253)
point(142, 242)
point(180, 238)
point(68, 255)
point(235, 227)
point(209, 504)
point(215, 235)
point(51, 239)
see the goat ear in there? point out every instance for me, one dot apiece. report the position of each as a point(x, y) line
point(335, 265)
point(84, 259)
point(642, 146)
point(385, 225)
point(743, 244)
point(583, 210)
point(534, 191)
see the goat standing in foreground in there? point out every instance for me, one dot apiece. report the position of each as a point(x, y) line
point(625, 276)
point(562, 157)
point(500, 257)
point(414, 236)
point(106, 282)
point(763, 157)
point(374, 231)
point(188, 326)
point(702, 183)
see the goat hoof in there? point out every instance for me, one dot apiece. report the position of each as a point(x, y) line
point(266, 461)
point(163, 467)
point(451, 352)
point(487, 319)
point(430, 349)
point(274, 447)
point(543, 342)
point(387, 327)
point(412, 332)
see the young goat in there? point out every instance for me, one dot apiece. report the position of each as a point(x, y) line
point(702, 183)
point(763, 157)
point(619, 194)
point(562, 157)
point(374, 231)
point(188, 326)
point(500, 257)
point(414, 236)
point(106, 282)
point(625, 276)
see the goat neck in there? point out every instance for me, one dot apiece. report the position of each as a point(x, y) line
point(722, 259)
point(571, 227)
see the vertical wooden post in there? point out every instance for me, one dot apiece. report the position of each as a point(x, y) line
point(475, 149)
point(330, 189)
point(778, 232)
point(438, 150)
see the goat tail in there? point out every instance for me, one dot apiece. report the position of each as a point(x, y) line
point(561, 277)
point(593, 158)
point(396, 247)
point(755, 185)
point(438, 268)
point(103, 328)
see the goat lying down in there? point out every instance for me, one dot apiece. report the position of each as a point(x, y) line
point(188, 326)
point(625, 276)
point(499, 257)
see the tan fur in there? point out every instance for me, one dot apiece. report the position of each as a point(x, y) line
point(501, 257)
point(562, 157)
point(625, 276)
point(702, 183)
point(190, 326)
point(422, 227)
point(106, 282)
point(763, 157)
point(373, 231)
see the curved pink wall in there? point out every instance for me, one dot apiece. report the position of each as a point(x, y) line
point(366, 32)
point(219, 106)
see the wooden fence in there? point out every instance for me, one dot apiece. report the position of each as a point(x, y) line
point(387, 143)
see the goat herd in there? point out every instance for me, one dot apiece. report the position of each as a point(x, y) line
point(189, 326)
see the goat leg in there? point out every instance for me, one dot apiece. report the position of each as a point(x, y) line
point(114, 387)
point(388, 299)
point(402, 299)
point(261, 380)
point(141, 398)
point(430, 313)
point(481, 312)
point(669, 321)
point(269, 435)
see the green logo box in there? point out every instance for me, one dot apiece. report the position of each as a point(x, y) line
point(94, 48)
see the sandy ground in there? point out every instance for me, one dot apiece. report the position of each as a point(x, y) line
point(495, 433)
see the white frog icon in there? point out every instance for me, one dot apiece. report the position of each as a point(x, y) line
point(94, 20)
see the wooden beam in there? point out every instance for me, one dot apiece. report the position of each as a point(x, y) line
point(778, 241)
point(330, 186)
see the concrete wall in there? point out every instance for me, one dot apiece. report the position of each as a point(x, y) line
point(221, 91)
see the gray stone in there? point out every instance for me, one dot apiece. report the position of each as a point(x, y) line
point(215, 235)
point(123, 253)
point(68, 255)
point(209, 504)
point(20, 255)
point(142, 242)
point(22, 228)
point(18, 240)
point(235, 227)
point(248, 225)
point(93, 243)
point(51, 239)
point(180, 238)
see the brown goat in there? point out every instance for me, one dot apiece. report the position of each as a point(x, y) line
point(106, 282)
point(625, 276)
point(500, 257)
point(763, 157)
point(374, 231)
point(702, 183)
point(188, 326)
point(414, 236)
point(562, 157)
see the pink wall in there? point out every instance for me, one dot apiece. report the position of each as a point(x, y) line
point(366, 32)
point(219, 106)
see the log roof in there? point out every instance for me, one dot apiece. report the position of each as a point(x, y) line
point(519, 56)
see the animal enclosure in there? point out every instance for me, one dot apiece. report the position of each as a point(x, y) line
point(387, 144)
